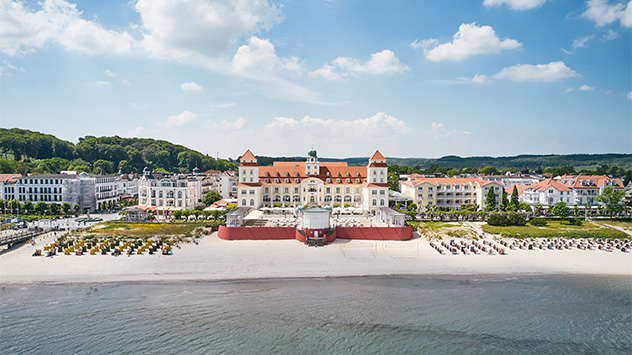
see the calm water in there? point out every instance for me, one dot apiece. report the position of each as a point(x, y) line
point(377, 315)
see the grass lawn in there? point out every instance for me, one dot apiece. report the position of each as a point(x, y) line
point(621, 224)
point(555, 229)
point(437, 225)
point(146, 229)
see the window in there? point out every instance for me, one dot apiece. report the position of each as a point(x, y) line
point(287, 173)
point(328, 180)
point(276, 180)
point(357, 181)
point(296, 181)
point(338, 174)
point(266, 198)
point(327, 198)
point(328, 174)
point(267, 174)
point(337, 190)
point(348, 180)
point(252, 202)
point(382, 202)
point(287, 181)
point(374, 202)
point(338, 180)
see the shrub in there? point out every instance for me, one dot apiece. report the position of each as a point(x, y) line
point(538, 222)
point(515, 219)
point(575, 221)
point(497, 220)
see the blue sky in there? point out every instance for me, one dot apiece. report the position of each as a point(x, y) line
point(410, 78)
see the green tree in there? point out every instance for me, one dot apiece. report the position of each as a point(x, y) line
point(561, 210)
point(65, 207)
point(488, 170)
point(514, 198)
point(452, 172)
point(53, 208)
point(40, 207)
point(211, 197)
point(28, 207)
point(103, 167)
point(393, 181)
point(504, 201)
point(177, 214)
point(490, 201)
point(612, 199)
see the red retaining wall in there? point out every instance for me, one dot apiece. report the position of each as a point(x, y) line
point(256, 233)
point(375, 233)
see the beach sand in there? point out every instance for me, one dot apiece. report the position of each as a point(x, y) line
point(218, 260)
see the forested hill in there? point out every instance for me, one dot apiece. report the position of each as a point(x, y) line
point(577, 161)
point(33, 152)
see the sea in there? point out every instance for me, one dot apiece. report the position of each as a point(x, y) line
point(358, 315)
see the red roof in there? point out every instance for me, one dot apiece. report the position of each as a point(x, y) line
point(545, 184)
point(436, 181)
point(248, 156)
point(327, 170)
point(9, 177)
point(590, 181)
point(520, 188)
point(377, 156)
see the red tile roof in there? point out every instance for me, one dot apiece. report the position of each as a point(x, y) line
point(377, 156)
point(296, 170)
point(520, 188)
point(436, 181)
point(9, 177)
point(545, 184)
point(590, 181)
point(248, 156)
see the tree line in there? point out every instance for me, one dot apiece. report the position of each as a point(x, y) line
point(33, 152)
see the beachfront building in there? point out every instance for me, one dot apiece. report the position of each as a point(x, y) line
point(450, 193)
point(546, 193)
point(313, 183)
point(222, 182)
point(168, 192)
point(586, 188)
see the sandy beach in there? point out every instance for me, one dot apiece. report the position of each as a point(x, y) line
point(214, 259)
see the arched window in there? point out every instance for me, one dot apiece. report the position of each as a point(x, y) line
point(357, 198)
point(347, 198)
point(179, 194)
point(276, 180)
point(287, 173)
point(374, 202)
point(297, 174)
point(296, 198)
point(358, 181)
point(266, 198)
point(252, 202)
point(277, 198)
point(381, 202)
point(328, 174)
point(286, 198)
point(348, 173)
point(296, 180)
point(287, 180)
point(267, 180)
point(338, 180)
point(277, 174)
point(328, 180)
point(327, 198)
point(159, 194)
point(338, 198)
point(338, 174)
point(170, 194)
point(348, 180)
point(243, 202)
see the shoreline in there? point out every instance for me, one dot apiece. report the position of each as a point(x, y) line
point(216, 260)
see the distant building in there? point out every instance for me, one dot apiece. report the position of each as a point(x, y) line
point(313, 183)
point(168, 192)
point(449, 193)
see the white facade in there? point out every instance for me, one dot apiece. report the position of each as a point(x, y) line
point(312, 183)
point(450, 193)
point(168, 192)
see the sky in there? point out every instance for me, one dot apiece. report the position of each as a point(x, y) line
point(418, 78)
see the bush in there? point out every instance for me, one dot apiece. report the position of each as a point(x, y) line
point(575, 221)
point(497, 220)
point(515, 219)
point(538, 222)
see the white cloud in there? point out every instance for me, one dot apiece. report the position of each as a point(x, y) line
point(602, 13)
point(111, 74)
point(380, 63)
point(570, 89)
point(258, 56)
point(60, 22)
point(610, 35)
point(581, 41)
point(469, 41)
point(378, 125)
point(226, 125)
point(515, 4)
point(191, 86)
point(426, 43)
point(178, 120)
point(629, 96)
point(199, 30)
point(527, 72)
point(439, 131)
point(134, 132)
point(585, 88)
point(103, 83)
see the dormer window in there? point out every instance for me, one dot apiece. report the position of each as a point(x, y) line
point(338, 174)
point(357, 173)
point(328, 174)
point(358, 181)
point(276, 180)
point(348, 173)
point(348, 180)
point(296, 180)
point(267, 174)
point(297, 174)
point(287, 173)
point(338, 180)
point(267, 180)
point(328, 180)
point(287, 180)
point(277, 174)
